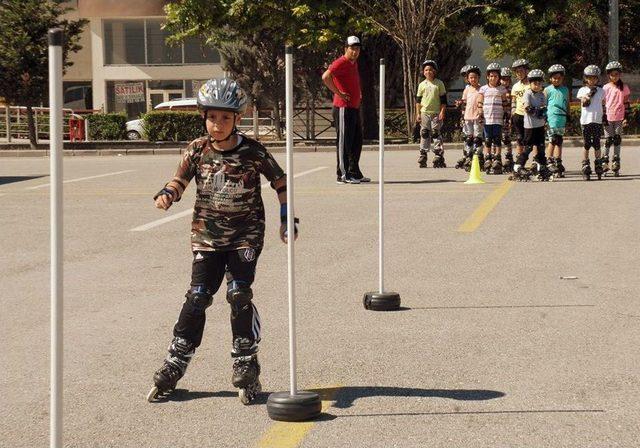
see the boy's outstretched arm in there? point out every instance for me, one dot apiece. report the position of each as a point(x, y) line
point(172, 191)
point(280, 185)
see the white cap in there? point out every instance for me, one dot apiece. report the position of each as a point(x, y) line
point(353, 40)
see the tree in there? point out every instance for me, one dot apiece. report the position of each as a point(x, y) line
point(24, 50)
point(263, 28)
point(414, 25)
point(573, 33)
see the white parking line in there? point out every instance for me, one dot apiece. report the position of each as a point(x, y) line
point(184, 213)
point(82, 178)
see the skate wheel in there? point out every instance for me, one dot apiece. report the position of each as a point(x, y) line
point(244, 396)
point(153, 394)
point(248, 394)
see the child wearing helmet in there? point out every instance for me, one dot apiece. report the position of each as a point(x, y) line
point(616, 94)
point(227, 234)
point(535, 107)
point(592, 100)
point(492, 101)
point(431, 102)
point(464, 74)
point(472, 119)
point(557, 114)
point(521, 68)
point(505, 81)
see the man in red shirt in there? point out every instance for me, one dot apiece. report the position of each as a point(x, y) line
point(343, 80)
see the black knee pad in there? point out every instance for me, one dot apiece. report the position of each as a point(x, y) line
point(497, 141)
point(239, 295)
point(557, 139)
point(608, 142)
point(436, 134)
point(425, 133)
point(617, 139)
point(470, 141)
point(477, 141)
point(199, 299)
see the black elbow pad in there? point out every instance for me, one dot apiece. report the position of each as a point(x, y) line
point(443, 99)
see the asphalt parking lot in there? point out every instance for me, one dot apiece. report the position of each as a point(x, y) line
point(493, 348)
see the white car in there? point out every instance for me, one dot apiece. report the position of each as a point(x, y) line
point(135, 129)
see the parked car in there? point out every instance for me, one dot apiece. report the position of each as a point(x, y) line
point(135, 129)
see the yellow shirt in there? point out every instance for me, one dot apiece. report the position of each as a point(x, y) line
point(430, 91)
point(517, 92)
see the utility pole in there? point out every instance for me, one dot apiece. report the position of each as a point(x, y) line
point(614, 42)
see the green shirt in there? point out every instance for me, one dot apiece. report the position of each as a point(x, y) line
point(557, 106)
point(430, 92)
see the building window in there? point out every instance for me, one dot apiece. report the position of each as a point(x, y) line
point(197, 53)
point(124, 42)
point(158, 52)
point(143, 42)
point(77, 95)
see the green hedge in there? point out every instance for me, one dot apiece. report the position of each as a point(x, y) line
point(172, 126)
point(107, 126)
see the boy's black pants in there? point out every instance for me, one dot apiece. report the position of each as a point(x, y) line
point(208, 270)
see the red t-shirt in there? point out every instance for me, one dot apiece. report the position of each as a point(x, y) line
point(346, 78)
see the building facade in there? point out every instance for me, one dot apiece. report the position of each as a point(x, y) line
point(125, 64)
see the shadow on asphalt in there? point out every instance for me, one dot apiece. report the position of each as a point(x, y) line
point(410, 182)
point(11, 179)
point(576, 176)
point(524, 411)
point(344, 397)
point(187, 395)
point(403, 308)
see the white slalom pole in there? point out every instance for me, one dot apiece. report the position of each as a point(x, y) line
point(381, 175)
point(56, 37)
point(290, 220)
point(380, 300)
point(294, 405)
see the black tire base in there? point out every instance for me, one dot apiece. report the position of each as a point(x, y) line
point(386, 301)
point(283, 406)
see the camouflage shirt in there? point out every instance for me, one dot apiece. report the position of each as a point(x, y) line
point(228, 213)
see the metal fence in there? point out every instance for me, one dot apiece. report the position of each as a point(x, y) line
point(14, 124)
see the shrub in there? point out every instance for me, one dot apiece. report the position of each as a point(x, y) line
point(107, 126)
point(172, 126)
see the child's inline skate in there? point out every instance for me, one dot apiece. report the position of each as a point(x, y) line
point(246, 370)
point(175, 365)
point(586, 169)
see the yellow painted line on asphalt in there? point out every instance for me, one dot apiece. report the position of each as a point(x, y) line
point(291, 434)
point(485, 207)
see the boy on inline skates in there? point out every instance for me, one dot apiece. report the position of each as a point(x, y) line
point(592, 99)
point(492, 101)
point(535, 106)
point(227, 234)
point(557, 115)
point(431, 103)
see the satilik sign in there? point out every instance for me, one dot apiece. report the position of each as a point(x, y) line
point(129, 92)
